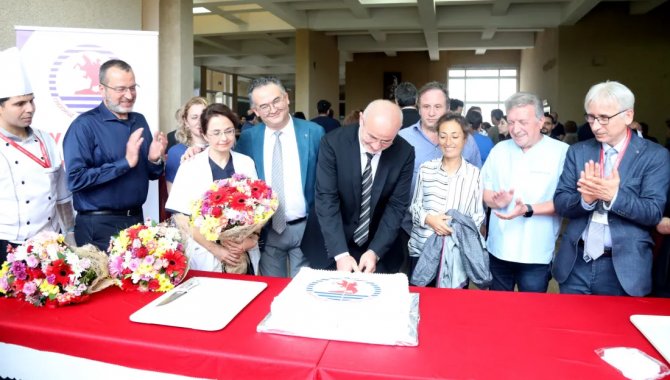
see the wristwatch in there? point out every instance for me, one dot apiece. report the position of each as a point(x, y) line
point(529, 211)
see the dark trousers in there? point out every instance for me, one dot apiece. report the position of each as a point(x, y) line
point(4, 245)
point(595, 277)
point(527, 277)
point(98, 229)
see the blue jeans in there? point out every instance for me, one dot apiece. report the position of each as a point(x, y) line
point(528, 277)
point(595, 277)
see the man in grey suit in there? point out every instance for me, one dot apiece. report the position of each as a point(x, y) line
point(613, 191)
point(284, 150)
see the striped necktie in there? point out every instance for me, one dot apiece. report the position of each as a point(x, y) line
point(361, 233)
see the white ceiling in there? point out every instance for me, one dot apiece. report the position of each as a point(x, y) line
point(257, 37)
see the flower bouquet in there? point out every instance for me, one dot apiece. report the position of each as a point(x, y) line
point(45, 271)
point(147, 257)
point(233, 209)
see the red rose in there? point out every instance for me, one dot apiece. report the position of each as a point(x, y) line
point(154, 285)
point(127, 285)
point(216, 212)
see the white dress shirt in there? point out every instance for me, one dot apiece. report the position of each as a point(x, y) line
point(295, 206)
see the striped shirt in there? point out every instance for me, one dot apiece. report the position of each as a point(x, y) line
point(437, 192)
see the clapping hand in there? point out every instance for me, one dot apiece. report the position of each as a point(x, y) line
point(593, 187)
point(502, 198)
point(518, 210)
point(133, 147)
point(157, 147)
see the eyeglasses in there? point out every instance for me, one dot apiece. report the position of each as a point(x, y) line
point(602, 119)
point(218, 133)
point(277, 104)
point(122, 89)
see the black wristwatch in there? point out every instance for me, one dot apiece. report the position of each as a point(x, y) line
point(528, 213)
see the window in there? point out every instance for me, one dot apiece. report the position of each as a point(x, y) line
point(484, 87)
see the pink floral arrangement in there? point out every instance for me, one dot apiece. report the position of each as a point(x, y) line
point(234, 208)
point(45, 271)
point(147, 257)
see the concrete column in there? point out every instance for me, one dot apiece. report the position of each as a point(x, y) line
point(175, 58)
point(317, 71)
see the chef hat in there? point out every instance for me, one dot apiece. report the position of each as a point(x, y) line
point(13, 78)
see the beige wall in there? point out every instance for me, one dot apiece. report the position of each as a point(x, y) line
point(610, 44)
point(101, 14)
point(365, 74)
point(539, 68)
point(317, 71)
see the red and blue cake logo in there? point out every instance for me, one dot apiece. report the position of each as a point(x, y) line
point(73, 78)
point(343, 289)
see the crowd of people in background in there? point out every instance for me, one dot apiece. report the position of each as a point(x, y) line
point(372, 193)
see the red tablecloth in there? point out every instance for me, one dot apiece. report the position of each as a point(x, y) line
point(462, 334)
point(469, 334)
point(100, 329)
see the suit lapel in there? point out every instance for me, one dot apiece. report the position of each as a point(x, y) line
point(355, 167)
point(257, 150)
point(630, 156)
point(383, 169)
point(302, 140)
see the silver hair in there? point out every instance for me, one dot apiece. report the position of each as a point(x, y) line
point(522, 99)
point(433, 86)
point(264, 81)
point(610, 92)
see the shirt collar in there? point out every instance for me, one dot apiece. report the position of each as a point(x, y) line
point(17, 138)
point(618, 147)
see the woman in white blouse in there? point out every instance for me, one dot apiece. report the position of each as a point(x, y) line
point(193, 179)
point(443, 184)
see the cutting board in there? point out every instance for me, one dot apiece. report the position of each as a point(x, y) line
point(210, 306)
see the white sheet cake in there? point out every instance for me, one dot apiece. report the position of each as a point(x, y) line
point(360, 307)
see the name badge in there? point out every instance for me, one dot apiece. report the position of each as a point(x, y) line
point(600, 217)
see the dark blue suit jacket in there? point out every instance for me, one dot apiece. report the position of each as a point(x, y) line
point(308, 136)
point(645, 176)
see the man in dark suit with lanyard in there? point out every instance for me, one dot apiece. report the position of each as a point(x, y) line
point(363, 181)
point(613, 190)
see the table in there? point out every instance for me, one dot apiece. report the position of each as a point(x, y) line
point(462, 334)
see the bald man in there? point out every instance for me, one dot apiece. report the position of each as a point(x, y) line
point(363, 179)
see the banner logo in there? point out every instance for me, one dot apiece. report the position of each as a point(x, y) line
point(73, 78)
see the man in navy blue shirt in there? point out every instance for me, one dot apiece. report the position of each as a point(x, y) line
point(328, 123)
point(110, 156)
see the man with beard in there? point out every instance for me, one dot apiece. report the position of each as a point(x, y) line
point(110, 157)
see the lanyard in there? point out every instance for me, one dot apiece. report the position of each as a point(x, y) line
point(45, 164)
point(619, 157)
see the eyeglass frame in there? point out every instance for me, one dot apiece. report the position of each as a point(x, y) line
point(603, 119)
point(275, 103)
point(229, 132)
point(122, 89)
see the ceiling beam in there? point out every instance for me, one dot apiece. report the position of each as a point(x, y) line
point(642, 7)
point(576, 9)
point(297, 19)
point(358, 10)
point(427, 17)
point(378, 35)
point(488, 33)
point(500, 7)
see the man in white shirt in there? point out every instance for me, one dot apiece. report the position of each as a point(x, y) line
point(34, 195)
point(519, 178)
point(284, 150)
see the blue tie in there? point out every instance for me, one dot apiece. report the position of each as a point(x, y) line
point(595, 238)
